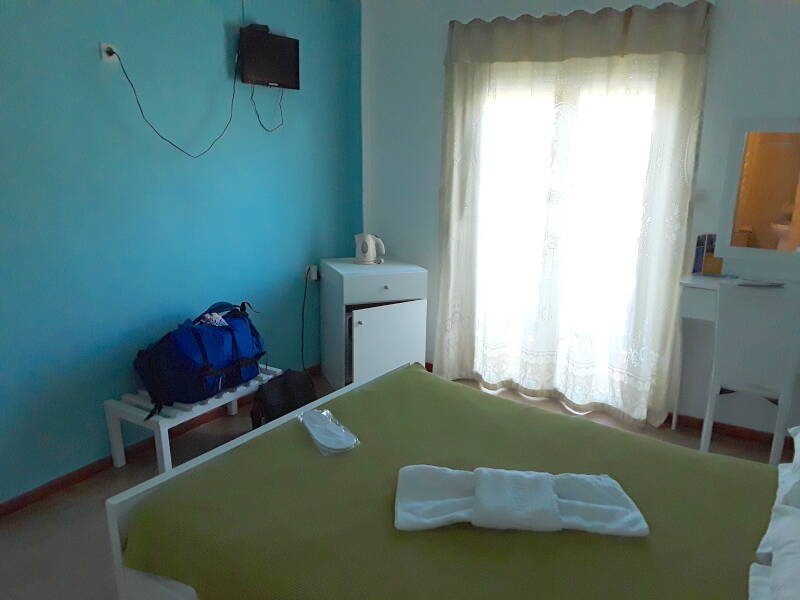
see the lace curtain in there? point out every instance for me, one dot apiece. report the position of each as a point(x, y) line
point(569, 151)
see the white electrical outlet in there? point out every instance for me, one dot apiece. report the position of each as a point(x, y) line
point(104, 55)
point(311, 273)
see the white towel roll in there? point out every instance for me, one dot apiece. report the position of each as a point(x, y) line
point(522, 500)
point(429, 497)
point(598, 504)
point(759, 582)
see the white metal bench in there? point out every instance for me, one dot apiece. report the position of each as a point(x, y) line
point(134, 408)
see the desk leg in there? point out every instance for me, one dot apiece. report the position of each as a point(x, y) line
point(114, 426)
point(163, 456)
point(233, 407)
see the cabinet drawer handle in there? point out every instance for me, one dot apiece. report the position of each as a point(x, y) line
point(359, 322)
point(386, 287)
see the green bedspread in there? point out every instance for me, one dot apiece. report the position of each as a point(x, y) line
point(275, 519)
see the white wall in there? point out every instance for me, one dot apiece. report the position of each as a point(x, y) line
point(753, 71)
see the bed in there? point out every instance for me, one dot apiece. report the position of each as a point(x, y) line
point(266, 516)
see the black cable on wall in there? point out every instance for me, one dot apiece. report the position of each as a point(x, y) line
point(112, 52)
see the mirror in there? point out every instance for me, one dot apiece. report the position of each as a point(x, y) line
point(768, 197)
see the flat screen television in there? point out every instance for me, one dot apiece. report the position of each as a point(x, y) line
point(267, 59)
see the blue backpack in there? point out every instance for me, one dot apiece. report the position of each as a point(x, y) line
point(198, 360)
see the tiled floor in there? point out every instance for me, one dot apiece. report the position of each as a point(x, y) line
point(57, 548)
point(690, 438)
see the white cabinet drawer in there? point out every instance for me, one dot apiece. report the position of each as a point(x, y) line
point(388, 287)
point(698, 303)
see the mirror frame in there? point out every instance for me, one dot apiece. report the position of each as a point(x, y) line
point(727, 210)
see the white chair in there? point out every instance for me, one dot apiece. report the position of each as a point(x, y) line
point(756, 350)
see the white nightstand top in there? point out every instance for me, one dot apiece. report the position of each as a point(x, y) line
point(348, 267)
point(703, 282)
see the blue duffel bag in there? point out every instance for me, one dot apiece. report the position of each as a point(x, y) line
point(199, 359)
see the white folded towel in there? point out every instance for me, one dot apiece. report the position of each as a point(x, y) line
point(788, 478)
point(429, 497)
point(759, 582)
point(515, 500)
point(598, 504)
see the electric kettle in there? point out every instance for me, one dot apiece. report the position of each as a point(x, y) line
point(369, 249)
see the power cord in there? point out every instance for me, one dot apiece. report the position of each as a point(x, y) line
point(303, 333)
point(258, 116)
point(303, 322)
point(112, 52)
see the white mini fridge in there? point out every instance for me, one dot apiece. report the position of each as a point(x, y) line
point(373, 318)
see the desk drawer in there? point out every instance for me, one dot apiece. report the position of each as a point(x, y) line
point(698, 303)
point(389, 287)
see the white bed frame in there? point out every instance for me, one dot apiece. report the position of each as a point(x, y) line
point(136, 585)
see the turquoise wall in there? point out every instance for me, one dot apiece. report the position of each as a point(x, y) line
point(109, 237)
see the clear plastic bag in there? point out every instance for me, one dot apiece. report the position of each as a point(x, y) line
point(329, 436)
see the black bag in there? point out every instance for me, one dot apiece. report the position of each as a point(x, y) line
point(281, 395)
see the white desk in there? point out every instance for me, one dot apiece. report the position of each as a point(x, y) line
point(698, 309)
point(698, 301)
point(699, 297)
